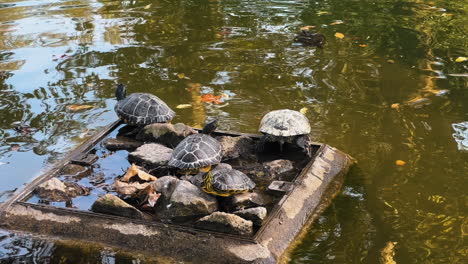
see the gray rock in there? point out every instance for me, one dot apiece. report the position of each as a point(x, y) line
point(256, 214)
point(75, 170)
point(111, 204)
point(279, 187)
point(187, 201)
point(151, 155)
point(274, 169)
point(165, 133)
point(59, 191)
point(249, 200)
point(226, 223)
point(121, 143)
point(235, 147)
point(166, 186)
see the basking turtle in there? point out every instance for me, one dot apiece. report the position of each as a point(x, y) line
point(140, 109)
point(285, 126)
point(311, 39)
point(197, 151)
point(225, 182)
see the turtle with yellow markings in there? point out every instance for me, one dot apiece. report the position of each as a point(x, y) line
point(226, 182)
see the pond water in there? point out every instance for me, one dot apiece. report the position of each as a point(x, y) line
point(388, 88)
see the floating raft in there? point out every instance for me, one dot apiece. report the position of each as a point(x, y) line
point(301, 201)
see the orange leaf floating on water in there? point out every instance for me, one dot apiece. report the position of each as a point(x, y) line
point(339, 35)
point(181, 75)
point(78, 107)
point(211, 98)
point(395, 106)
point(400, 163)
point(362, 45)
point(307, 27)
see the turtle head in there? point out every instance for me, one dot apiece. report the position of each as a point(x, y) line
point(120, 92)
point(210, 127)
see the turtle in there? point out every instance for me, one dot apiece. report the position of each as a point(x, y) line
point(310, 39)
point(285, 126)
point(197, 151)
point(140, 109)
point(226, 181)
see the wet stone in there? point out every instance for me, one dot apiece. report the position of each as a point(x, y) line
point(248, 200)
point(111, 204)
point(276, 168)
point(225, 223)
point(75, 170)
point(151, 155)
point(122, 143)
point(187, 201)
point(279, 187)
point(235, 147)
point(256, 214)
point(167, 134)
point(166, 185)
point(59, 191)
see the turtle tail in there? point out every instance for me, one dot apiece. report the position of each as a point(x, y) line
point(120, 92)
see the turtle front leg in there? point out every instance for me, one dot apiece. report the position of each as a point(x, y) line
point(261, 144)
point(304, 143)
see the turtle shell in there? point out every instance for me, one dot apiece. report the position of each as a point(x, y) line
point(196, 151)
point(227, 180)
point(139, 109)
point(285, 123)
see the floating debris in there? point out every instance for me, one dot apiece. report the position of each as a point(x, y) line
point(461, 135)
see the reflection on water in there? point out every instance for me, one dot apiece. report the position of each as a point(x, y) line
point(389, 90)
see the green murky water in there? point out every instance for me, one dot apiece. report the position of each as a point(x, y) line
point(57, 53)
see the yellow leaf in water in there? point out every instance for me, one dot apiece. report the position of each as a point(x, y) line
point(391, 61)
point(400, 163)
point(337, 22)
point(461, 59)
point(362, 45)
point(322, 12)
point(339, 35)
point(181, 75)
point(387, 253)
point(304, 110)
point(78, 107)
point(395, 106)
point(147, 6)
point(182, 106)
point(307, 27)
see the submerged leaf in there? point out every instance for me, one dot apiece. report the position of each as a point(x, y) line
point(180, 75)
point(339, 35)
point(182, 106)
point(78, 107)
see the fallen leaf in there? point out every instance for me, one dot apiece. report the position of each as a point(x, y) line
point(304, 110)
point(395, 106)
point(387, 253)
point(362, 45)
point(391, 61)
point(211, 98)
point(147, 6)
point(307, 27)
point(339, 35)
point(400, 163)
point(135, 170)
point(181, 75)
point(78, 107)
point(129, 189)
point(322, 12)
point(182, 106)
point(461, 59)
point(336, 22)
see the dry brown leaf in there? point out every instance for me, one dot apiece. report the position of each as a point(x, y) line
point(307, 27)
point(134, 170)
point(339, 35)
point(128, 189)
point(146, 176)
point(78, 107)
